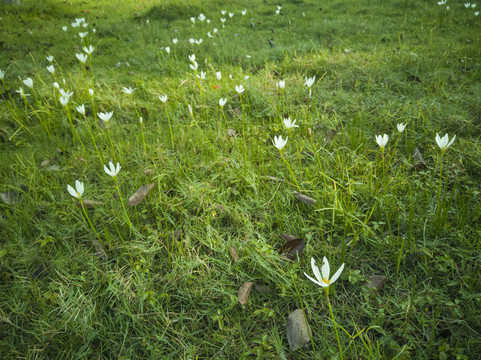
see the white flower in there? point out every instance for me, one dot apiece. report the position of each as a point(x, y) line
point(167, 49)
point(310, 81)
point(192, 58)
point(382, 140)
point(194, 66)
point(466, 5)
point(64, 100)
point(65, 93)
point(198, 42)
point(278, 12)
point(323, 276)
point(114, 170)
point(78, 191)
point(128, 90)
point(105, 116)
point(222, 102)
point(2, 74)
point(279, 143)
point(193, 20)
point(21, 92)
point(93, 30)
point(51, 69)
point(218, 74)
point(215, 30)
point(231, 14)
point(209, 35)
point(244, 12)
point(56, 85)
point(75, 25)
point(64, 28)
point(230, 76)
point(202, 75)
point(222, 20)
point(279, 7)
point(201, 17)
point(223, 12)
point(163, 98)
point(401, 127)
point(81, 109)
point(174, 41)
point(473, 6)
point(208, 21)
point(239, 88)
point(247, 77)
point(141, 120)
point(28, 82)
point(91, 92)
point(476, 13)
point(82, 57)
point(289, 124)
point(49, 58)
point(281, 84)
point(89, 50)
point(85, 25)
point(443, 142)
point(191, 40)
point(83, 34)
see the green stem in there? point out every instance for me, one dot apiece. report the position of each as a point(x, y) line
point(170, 127)
point(290, 169)
point(90, 223)
point(334, 322)
point(122, 202)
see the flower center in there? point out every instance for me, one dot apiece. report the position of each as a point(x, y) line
point(327, 281)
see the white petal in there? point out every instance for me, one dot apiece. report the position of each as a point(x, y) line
point(325, 270)
point(72, 191)
point(337, 274)
point(315, 270)
point(322, 283)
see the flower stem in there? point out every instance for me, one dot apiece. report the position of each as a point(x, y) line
point(334, 322)
point(122, 202)
point(170, 128)
point(90, 223)
point(290, 169)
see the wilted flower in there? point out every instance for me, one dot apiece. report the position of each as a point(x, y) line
point(443, 142)
point(114, 170)
point(401, 127)
point(89, 50)
point(78, 191)
point(310, 81)
point(49, 58)
point(105, 116)
point(289, 124)
point(64, 100)
point(279, 143)
point(51, 69)
point(239, 88)
point(81, 109)
point(222, 102)
point(163, 98)
point(128, 90)
point(28, 82)
point(82, 57)
point(382, 140)
point(141, 120)
point(218, 74)
point(322, 277)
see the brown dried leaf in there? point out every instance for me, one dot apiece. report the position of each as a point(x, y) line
point(418, 158)
point(173, 236)
point(99, 249)
point(273, 178)
point(244, 291)
point(232, 132)
point(293, 247)
point(297, 330)
point(10, 197)
point(148, 171)
point(376, 282)
point(304, 199)
point(89, 203)
point(233, 253)
point(140, 194)
point(330, 136)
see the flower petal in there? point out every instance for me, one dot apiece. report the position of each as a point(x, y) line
point(322, 283)
point(315, 270)
point(72, 191)
point(325, 270)
point(337, 274)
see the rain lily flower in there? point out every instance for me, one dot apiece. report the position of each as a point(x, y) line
point(244, 12)
point(467, 5)
point(281, 84)
point(223, 12)
point(239, 88)
point(91, 92)
point(51, 69)
point(56, 85)
point(191, 40)
point(83, 34)
point(473, 6)
point(193, 20)
point(85, 24)
point(198, 42)
point(21, 92)
point(218, 75)
point(105, 116)
point(81, 109)
point(279, 143)
point(113, 171)
point(128, 90)
point(210, 35)
point(78, 191)
point(222, 102)
point(215, 30)
point(75, 25)
point(174, 41)
point(167, 49)
point(322, 277)
point(476, 13)
point(66, 93)
point(194, 66)
point(289, 124)
point(443, 142)
point(81, 57)
point(310, 81)
point(64, 100)
point(163, 98)
point(201, 17)
point(49, 58)
point(382, 140)
point(141, 120)
point(28, 82)
point(2, 74)
point(64, 28)
point(231, 14)
point(401, 127)
point(89, 50)
point(202, 75)
point(223, 21)
point(192, 58)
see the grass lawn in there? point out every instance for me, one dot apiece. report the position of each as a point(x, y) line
point(197, 244)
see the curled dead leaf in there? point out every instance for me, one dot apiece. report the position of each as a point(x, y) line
point(304, 199)
point(140, 194)
point(244, 291)
point(233, 253)
point(99, 249)
point(293, 247)
point(89, 203)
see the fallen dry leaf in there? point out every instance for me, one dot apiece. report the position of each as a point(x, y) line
point(89, 203)
point(293, 247)
point(99, 249)
point(233, 253)
point(376, 282)
point(175, 235)
point(297, 330)
point(140, 194)
point(273, 178)
point(244, 291)
point(304, 199)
